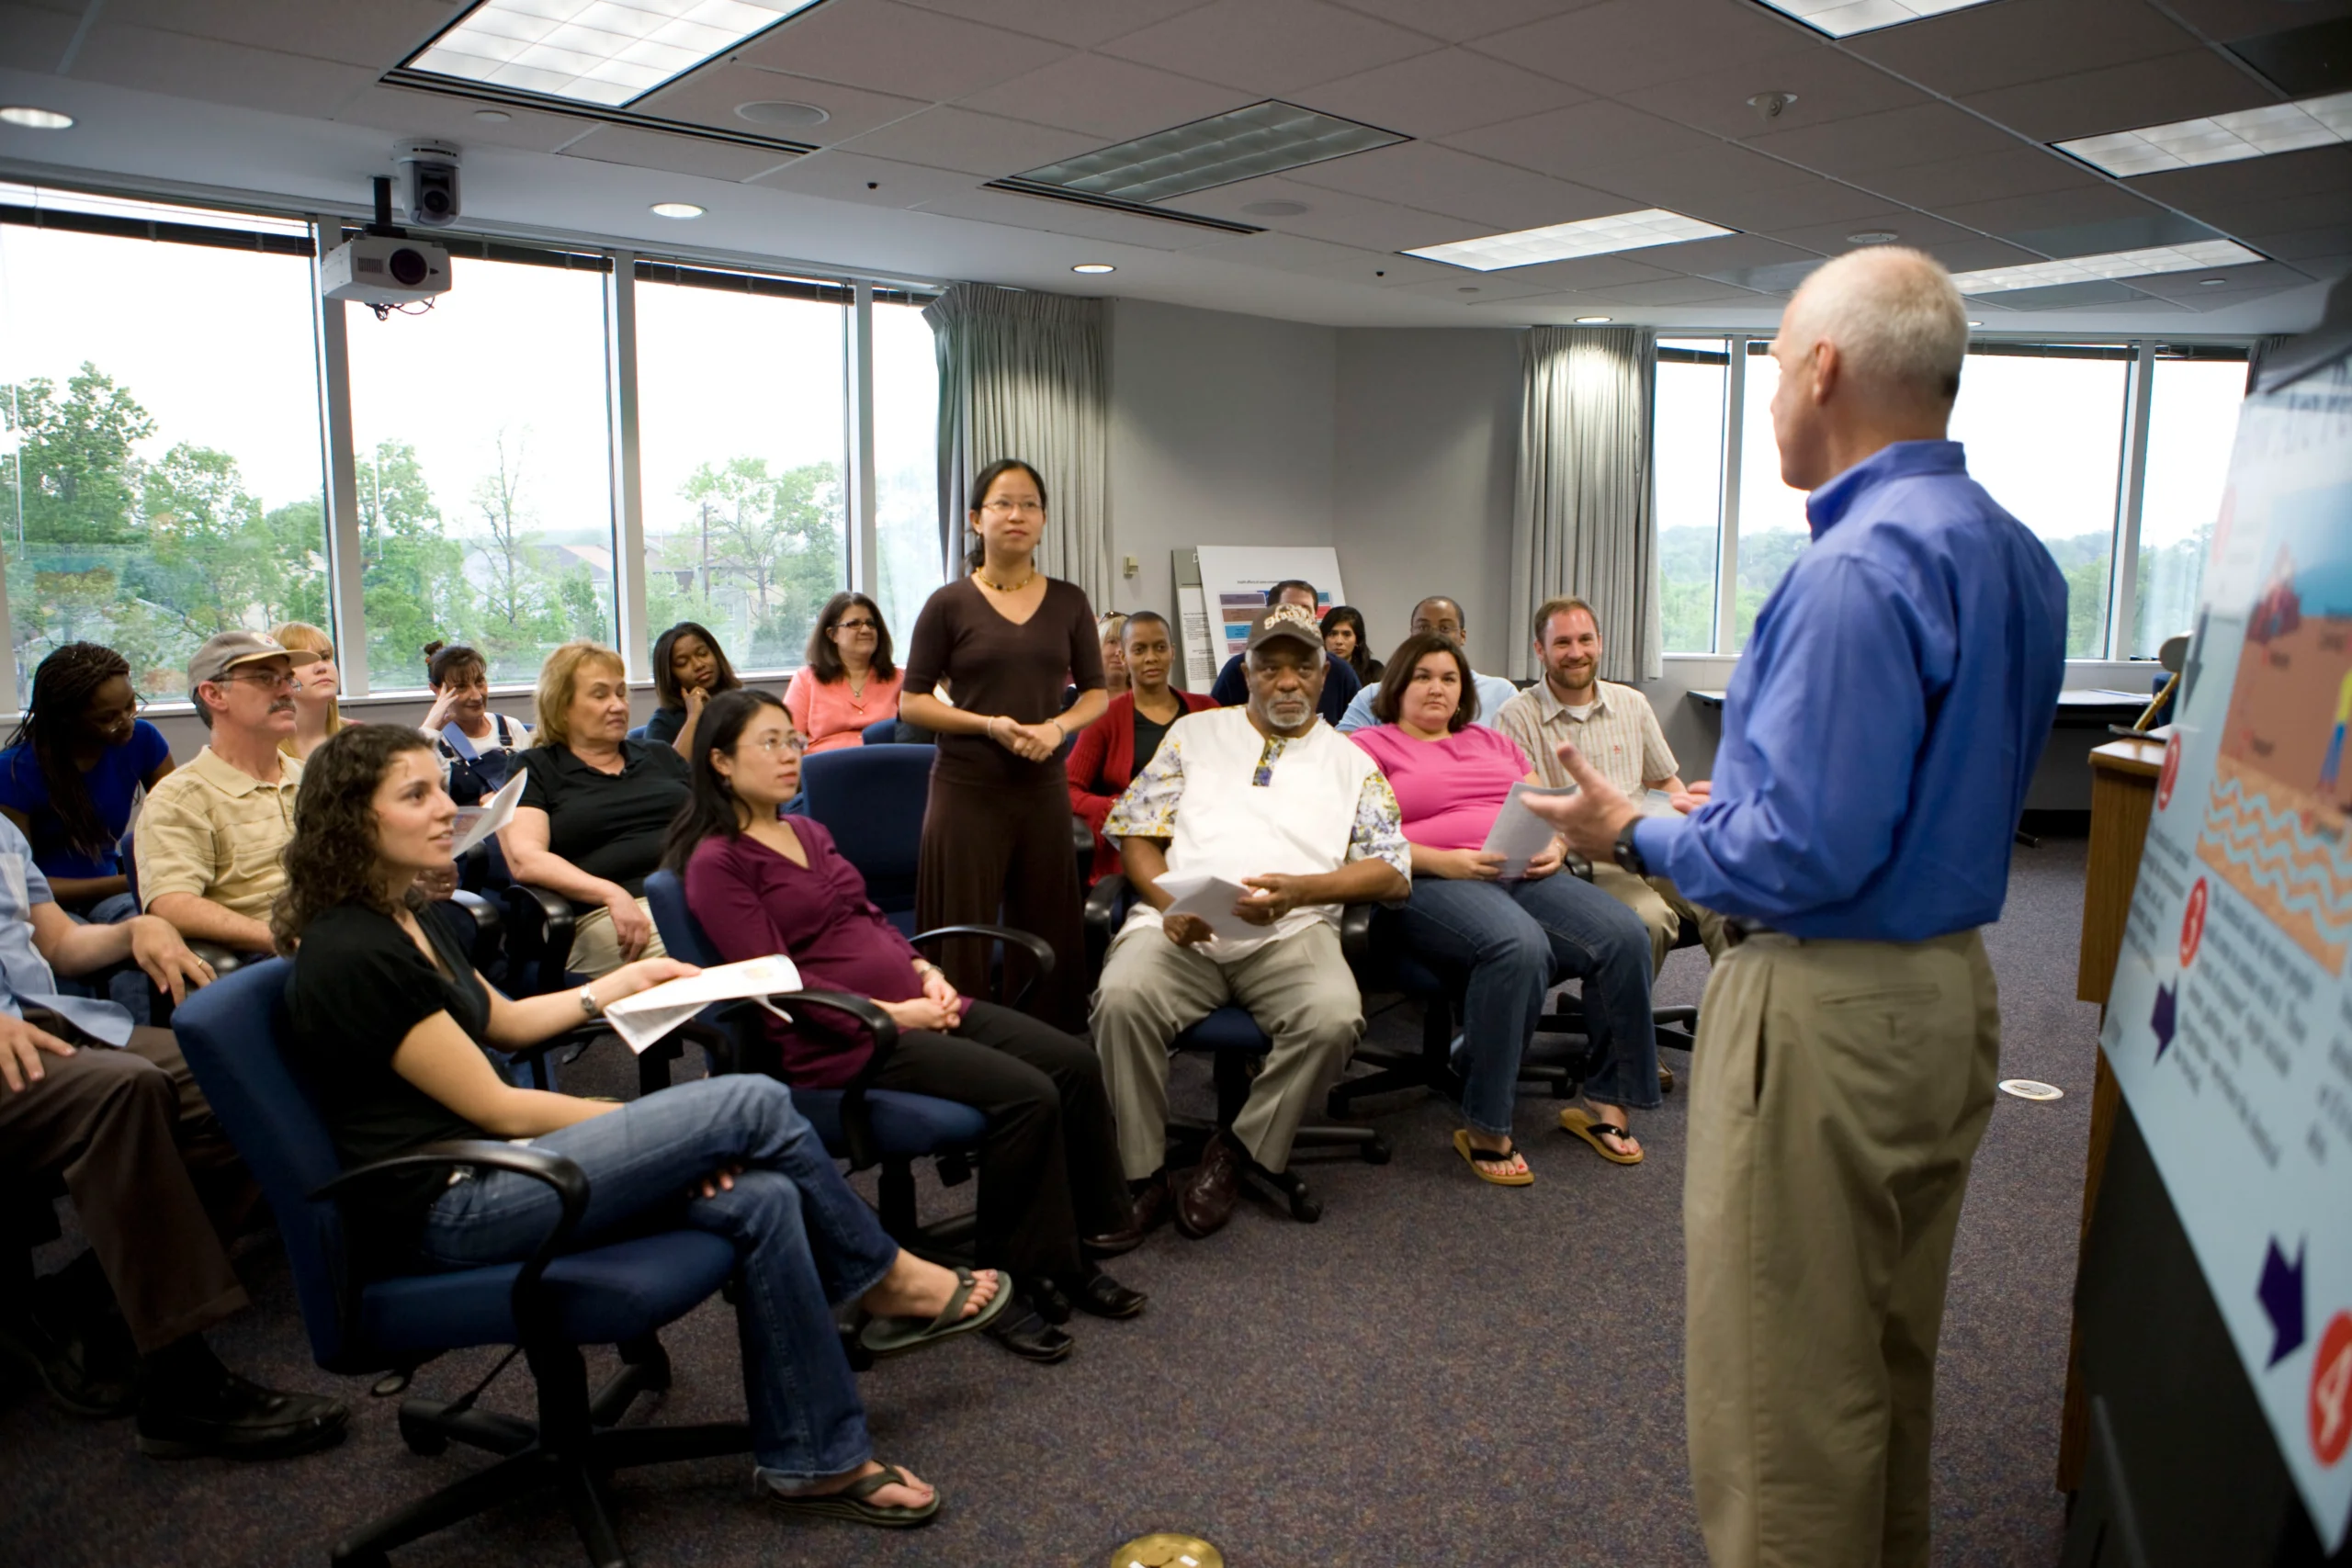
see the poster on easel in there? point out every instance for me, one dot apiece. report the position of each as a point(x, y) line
point(2228, 1026)
point(1232, 581)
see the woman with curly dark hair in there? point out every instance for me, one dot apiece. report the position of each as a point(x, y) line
point(390, 1022)
point(77, 760)
point(689, 668)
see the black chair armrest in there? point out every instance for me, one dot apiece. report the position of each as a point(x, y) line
point(1576, 865)
point(1355, 932)
point(858, 1121)
point(1037, 947)
point(539, 933)
point(569, 1182)
point(487, 917)
point(222, 959)
point(1106, 905)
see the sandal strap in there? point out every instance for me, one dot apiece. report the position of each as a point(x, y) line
point(953, 1311)
point(864, 1489)
point(1503, 1155)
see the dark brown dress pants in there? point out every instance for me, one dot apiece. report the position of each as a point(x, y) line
point(997, 856)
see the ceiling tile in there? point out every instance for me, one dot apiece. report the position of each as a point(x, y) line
point(1983, 47)
point(1811, 200)
point(2098, 219)
point(1828, 85)
point(1677, 291)
point(1456, 20)
point(217, 73)
point(1271, 45)
point(1584, 272)
point(1695, 182)
point(1892, 139)
point(410, 114)
point(1619, 46)
point(1114, 99)
point(1980, 176)
point(676, 155)
point(1909, 229)
point(34, 38)
point(1081, 222)
point(1083, 24)
point(2123, 98)
point(1333, 215)
point(891, 48)
point(1567, 142)
point(846, 176)
point(1433, 95)
point(708, 97)
point(2190, 287)
point(1439, 179)
point(380, 33)
point(1976, 253)
point(2322, 173)
point(2082, 297)
point(1468, 288)
point(1733, 253)
point(1321, 258)
point(977, 143)
point(2299, 246)
point(2223, 20)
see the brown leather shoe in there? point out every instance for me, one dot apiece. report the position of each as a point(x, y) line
point(1152, 1206)
point(1205, 1196)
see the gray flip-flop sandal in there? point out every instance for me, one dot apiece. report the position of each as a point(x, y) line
point(855, 1502)
point(887, 1336)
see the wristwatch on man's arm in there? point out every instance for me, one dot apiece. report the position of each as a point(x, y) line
point(1627, 853)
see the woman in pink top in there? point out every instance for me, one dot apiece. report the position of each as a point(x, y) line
point(848, 681)
point(1516, 938)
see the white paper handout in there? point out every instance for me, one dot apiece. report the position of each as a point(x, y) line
point(1209, 899)
point(647, 1016)
point(476, 823)
point(1518, 835)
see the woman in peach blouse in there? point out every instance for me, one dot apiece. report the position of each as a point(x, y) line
point(848, 681)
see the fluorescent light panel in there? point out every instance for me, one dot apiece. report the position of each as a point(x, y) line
point(594, 51)
point(1264, 139)
point(2101, 268)
point(1565, 242)
point(1842, 19)
point(2218, 138)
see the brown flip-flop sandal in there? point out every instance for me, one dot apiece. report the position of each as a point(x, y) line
point(1599, 1134)
point(1473, 1153)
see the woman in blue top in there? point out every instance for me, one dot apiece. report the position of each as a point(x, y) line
point(70, 774)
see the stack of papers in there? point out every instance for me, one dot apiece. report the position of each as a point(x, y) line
point(1518, 835)
point(647, 1016)
point(476, 823)
point(1210, 899)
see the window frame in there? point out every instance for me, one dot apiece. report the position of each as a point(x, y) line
point(621, 266)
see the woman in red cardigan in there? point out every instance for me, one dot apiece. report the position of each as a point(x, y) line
point(1109, 754)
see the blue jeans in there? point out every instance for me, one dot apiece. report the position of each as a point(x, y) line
point(806, 1242)
point(129, 988)
point(1518, 939)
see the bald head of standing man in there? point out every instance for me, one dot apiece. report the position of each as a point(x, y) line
point(1878, 738)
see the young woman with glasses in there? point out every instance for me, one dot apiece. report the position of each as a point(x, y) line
point(849, 680)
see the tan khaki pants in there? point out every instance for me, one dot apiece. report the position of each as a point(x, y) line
point(1842, 1087)
point(1664, 911)
point(595, 950)
point(1298, 989)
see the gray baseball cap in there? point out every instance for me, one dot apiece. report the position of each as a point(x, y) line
point(225, 650)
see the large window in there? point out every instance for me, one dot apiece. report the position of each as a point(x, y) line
point(160, 477)
point(741, 418)
point(2049, 429)
point(910, 563)
point(481, 443)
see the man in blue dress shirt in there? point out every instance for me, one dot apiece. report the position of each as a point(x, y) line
point(1877, 740)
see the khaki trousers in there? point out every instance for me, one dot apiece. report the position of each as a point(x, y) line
point(1842, 1089)
point(1300, 990)
point(597, 950)
point(1664, 911)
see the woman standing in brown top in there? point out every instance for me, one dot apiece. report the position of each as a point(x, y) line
point(996, 837)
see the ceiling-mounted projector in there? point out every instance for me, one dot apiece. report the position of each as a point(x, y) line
point(384, 270)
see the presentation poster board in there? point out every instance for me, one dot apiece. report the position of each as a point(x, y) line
point(1234, 579)
point(2228, 1026)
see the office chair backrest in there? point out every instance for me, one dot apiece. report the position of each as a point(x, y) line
point(638, 733)
point(871, 798)
point(682, 935)
point(230, 1032)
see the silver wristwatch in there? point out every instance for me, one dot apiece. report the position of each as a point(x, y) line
point(589, 1006)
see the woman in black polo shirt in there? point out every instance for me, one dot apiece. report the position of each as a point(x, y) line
point(594, 809)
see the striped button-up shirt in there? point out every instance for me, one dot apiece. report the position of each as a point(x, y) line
point(1619, 735)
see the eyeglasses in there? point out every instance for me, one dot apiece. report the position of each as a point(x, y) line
point(854, 625)
point(1006, 508)
point(265, 681)
point(772, 744)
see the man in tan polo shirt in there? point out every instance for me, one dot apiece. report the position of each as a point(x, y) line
point(212, 838)
point(1618, 731)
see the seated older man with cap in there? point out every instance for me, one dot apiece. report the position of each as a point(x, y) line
point(1270, 797)
point(210, 840)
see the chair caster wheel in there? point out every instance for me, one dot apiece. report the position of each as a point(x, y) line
point(1378, 1152)
point(1305, 1208)
point(423, 1438)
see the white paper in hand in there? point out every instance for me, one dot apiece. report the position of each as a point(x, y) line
point(1518, 835)
point(1210, 900)
point(476, 823)
point(647, 1016)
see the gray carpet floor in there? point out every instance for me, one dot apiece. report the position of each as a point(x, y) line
point(1440, 1369)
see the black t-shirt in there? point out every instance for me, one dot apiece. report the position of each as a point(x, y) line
point(1149, 732)
point(609, 824)
point(359, 986)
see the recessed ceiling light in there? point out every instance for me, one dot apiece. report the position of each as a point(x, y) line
point(1274, 208)
point(2146, 262)
point(2219, 138)
point(1842, 19)
point(676, 209)
point(2211, 282)
point(32, 119)
point(1094, 267)
point(1872, 237)
point(1591, 321)
point(493, 117)
point(1563, 241)
point(1976, 323)
point(782, 112)
point(1264, 139)
point(591, 51)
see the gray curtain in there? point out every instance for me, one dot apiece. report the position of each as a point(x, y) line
point(1021, 374)
point(1586, 521)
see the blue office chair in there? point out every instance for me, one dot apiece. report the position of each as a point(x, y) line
point(618, 1295)
point(638, 733)
point(1234, 1042)
point(872, 799)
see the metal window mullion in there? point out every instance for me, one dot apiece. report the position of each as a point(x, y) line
point(628, 498)
point(857, 402)
point(346, 596)
point(1727, 512)
point(2124, 583)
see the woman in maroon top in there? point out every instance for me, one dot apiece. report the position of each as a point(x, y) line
point(1008, 641)
point(762, 884)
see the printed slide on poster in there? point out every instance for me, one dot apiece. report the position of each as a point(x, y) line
point(2228, 1026)
point(1234, 579)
